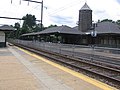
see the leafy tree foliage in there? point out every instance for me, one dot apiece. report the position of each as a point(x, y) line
point(29, 20)
point(38, 28)
point(28, 24)
point(108, 20)
point(52, 26)
point(17, 26)
point(17, 32)
point(118, 22)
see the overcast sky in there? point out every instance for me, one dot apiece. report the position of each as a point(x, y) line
point(59, 12)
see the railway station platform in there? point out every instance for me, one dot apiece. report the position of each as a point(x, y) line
point(23, 70)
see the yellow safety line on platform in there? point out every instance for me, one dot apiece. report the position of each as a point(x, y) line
point(74, 73)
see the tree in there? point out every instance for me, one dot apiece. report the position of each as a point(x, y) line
point(52, 26)
point(10, 34)
point(17, 26)
point(17, 32)
point(37, 28)
point(25, 29)
point(118, 22)
point(29, 20)
point(28, 24)
point(107, 20)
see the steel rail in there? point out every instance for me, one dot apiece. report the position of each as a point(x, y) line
point(57, 58)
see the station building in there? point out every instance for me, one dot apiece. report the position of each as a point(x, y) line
point(108, 33)
point(3, 30)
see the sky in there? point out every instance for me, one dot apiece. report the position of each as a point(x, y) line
point(59, 12)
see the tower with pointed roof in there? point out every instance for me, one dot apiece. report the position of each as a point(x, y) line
point(85, 18)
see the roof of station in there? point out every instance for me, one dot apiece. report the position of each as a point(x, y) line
point(108, 27)
point(6, 28)
point(60, 29)
point(105, 28)
point(102, 28)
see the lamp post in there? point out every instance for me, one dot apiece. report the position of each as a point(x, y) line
point(93, 35)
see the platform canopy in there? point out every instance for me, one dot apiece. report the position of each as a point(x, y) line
point(105, 28)
point(60, 30)
point(6, 28)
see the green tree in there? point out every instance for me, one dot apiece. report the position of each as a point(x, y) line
point(17, 32)
point(38, 28)
point(118, 22)
point(29, 20)
point(25, 29)
point(107, 20)
point(28, 24)
point(52, 26)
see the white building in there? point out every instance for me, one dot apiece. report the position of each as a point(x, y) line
point(3, 30)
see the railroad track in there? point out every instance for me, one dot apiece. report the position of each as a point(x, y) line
point(106, 74)
point(109, 61)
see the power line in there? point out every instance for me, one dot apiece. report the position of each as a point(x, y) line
point(64, 7)
point(16, 18)
point(41, 10)
point(33, 1)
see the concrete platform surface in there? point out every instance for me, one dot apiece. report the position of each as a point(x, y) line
point(23, 70)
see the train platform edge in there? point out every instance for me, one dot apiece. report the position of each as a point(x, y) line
point(33, 72)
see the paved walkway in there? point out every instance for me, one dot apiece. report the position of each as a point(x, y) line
point(14, 75)
point(22, 70)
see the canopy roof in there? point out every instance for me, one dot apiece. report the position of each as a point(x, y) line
point(102, 28)
point(60, 29)
point(6, 28)
point(105, 28)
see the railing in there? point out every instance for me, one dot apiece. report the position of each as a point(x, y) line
point(67, 49)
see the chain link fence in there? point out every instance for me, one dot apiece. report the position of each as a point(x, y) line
point(69, 49)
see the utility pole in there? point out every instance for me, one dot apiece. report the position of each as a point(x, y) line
point(41, 10)
point(42, 15)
